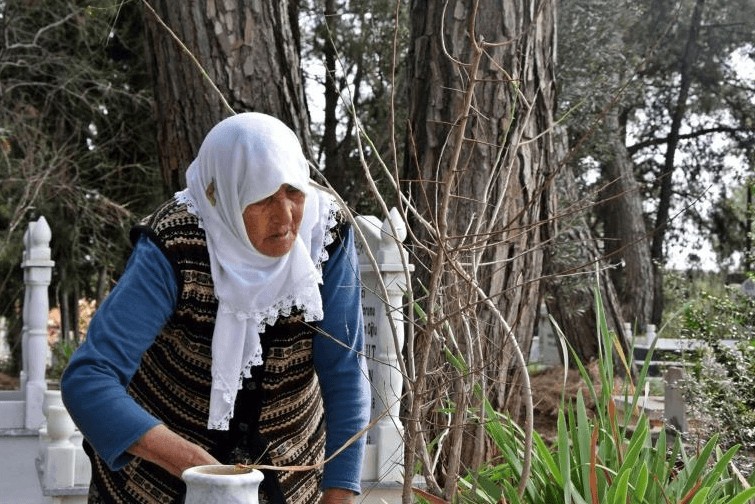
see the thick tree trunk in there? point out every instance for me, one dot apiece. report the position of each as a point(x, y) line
point(481, 161)
point(626, 239)
point(250, 53)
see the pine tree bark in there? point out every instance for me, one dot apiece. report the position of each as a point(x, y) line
point(480, 130)
point(626, 244)
point(249, 58)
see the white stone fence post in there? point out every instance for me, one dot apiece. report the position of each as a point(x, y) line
point(384, 454)
point(37, 267)
point(63, 466)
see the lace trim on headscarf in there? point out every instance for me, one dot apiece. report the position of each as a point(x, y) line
point(185, 198)
point(329, 223)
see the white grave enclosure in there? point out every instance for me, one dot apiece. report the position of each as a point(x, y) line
point(48, 463)
point(382, 303)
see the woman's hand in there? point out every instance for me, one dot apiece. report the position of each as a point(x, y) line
point(170, 451)
point(337, 496)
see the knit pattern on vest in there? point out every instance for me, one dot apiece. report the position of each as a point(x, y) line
point(173, 382)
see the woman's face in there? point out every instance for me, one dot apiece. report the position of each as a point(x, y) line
point(273, 223)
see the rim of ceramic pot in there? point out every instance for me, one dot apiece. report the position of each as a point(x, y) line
point(227, 473)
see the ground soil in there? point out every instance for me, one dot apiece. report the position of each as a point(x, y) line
point(8, 382)
point(546, 396)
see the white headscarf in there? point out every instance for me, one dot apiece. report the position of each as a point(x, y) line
point(243, 160)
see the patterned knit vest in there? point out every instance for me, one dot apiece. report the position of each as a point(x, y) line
point(278, 416)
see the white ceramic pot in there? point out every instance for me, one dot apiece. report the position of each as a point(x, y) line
point(221, 484)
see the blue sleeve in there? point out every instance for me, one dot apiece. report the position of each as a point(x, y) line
point(123, 328)
point(341, 366)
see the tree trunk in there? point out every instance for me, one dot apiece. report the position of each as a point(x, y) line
point(625, 239)
point(677, 115)
point(338, 166)
point(65, 313)
point(574, 266)
point(480, 159)
point(249, 51)
point(330, 123)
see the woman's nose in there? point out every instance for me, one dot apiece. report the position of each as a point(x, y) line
point(282, 210)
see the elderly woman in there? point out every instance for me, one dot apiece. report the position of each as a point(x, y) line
point(233, 335)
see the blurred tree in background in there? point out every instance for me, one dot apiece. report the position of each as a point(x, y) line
point(354, 56)
point(77, 142)
point(659, 115)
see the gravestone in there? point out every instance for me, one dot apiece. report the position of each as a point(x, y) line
point(384, 282)
point(675, 409)
point(748, 287)
point(546, 349)
point(5, 354)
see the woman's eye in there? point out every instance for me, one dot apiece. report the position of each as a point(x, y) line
point(293, 191)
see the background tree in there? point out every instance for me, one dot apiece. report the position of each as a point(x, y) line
point(698, 112)
point(573, 257)
point(354, 54)
point(75, 139)
point(594, 33)
point(653, 123)
point(731, 223)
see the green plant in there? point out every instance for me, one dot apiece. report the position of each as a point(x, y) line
point(602, 456)
point(61, 354)
point(721, 387)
